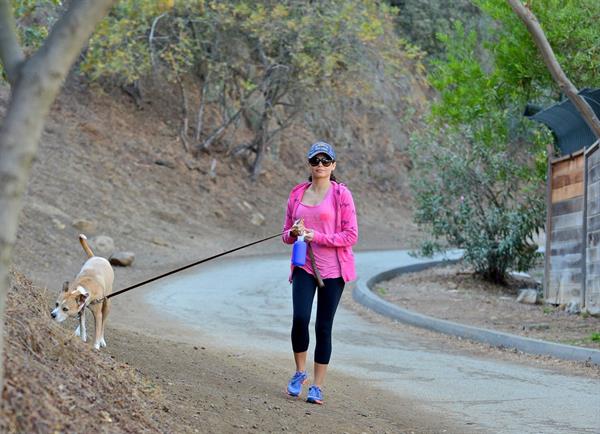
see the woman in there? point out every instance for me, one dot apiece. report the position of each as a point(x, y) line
point(323, 210)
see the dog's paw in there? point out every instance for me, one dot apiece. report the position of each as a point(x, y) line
point(102, 343)
point(97, 346)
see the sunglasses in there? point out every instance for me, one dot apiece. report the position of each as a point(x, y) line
point(314, 161)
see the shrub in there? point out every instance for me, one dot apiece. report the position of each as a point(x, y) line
point(478, 199)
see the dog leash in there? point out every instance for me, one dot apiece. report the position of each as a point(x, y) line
point(121, 291)
point(320, 282)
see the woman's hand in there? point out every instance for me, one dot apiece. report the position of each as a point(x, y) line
point(298, 228)
point(309, 235)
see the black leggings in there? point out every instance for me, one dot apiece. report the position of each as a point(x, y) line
point(304, 286)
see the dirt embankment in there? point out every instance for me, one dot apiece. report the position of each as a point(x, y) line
point(56, 383)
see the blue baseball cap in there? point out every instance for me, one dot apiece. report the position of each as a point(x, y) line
point(321, 148)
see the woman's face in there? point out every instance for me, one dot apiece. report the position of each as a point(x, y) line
point(323, 168)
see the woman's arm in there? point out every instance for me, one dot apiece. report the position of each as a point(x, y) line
point(349, 234)
point(288, 223)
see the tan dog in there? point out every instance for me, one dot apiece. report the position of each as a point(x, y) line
point(89, 289)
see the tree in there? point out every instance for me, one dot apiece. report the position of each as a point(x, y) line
point(35, 82)
point(563, 82)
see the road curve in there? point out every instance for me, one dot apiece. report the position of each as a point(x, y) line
point(246, 303)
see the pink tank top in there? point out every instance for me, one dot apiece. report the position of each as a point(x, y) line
point(321, 218)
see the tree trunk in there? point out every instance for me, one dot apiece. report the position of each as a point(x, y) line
point(34, 88)
point(10, 52)
point(261, 140)
point(565, 85)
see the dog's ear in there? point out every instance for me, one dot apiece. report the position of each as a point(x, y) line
point(82, 295)
point(66, 286)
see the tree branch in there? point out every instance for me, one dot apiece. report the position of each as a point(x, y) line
point(534, 28)
point(200, 117)
point(183, 133)
point(151, 41)
point(11, 53)
point(219, 130)
point(227, 121)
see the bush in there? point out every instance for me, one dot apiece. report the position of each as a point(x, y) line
point(477, 199)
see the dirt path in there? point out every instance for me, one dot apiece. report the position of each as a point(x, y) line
point(215, 391)
point(218, 389)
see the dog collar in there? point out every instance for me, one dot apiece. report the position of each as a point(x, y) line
point(100, 300)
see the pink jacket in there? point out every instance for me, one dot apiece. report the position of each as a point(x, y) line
point(346, 226)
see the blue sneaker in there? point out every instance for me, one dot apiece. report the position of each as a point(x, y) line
point(294, 386)
point(315, 396)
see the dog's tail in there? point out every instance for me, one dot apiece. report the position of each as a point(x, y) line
point(85, 245)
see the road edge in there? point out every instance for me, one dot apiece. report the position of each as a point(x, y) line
point(363, 294)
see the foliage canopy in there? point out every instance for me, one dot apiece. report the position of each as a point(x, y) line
point(265, 60)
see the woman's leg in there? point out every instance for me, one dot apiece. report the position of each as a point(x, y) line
point(320, 370)
point(303, 293)
point(300, 360)
point(327, 303)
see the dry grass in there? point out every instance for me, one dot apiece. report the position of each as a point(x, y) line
point(56, 383)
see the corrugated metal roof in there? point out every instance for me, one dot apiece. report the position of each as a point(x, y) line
point(570, 130)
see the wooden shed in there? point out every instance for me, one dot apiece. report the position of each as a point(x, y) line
point(572, 267)
point(591, 224)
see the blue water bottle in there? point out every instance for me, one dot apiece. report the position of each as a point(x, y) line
point(299, 252)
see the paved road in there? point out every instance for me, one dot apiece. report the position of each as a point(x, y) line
point(245, 303)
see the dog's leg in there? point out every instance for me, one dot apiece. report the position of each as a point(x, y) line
point(105, 310)
point(80, 330)
point(97, 311)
